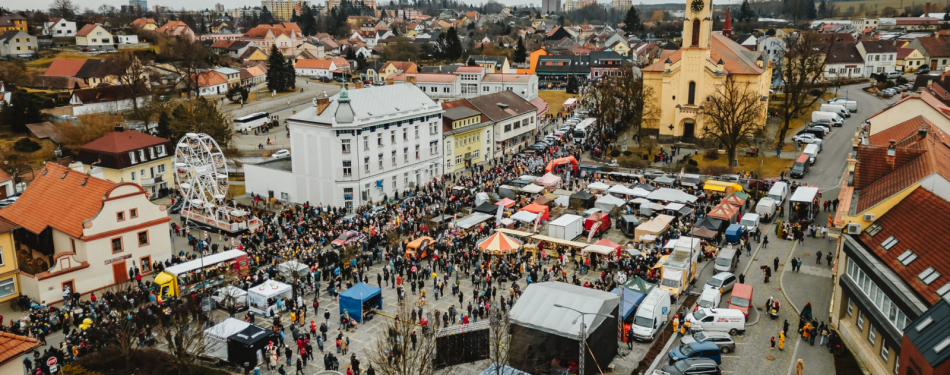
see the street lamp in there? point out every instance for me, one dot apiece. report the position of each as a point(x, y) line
point(583, 335)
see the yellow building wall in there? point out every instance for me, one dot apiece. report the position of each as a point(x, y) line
point(9, 267)
point(125, 175)
point(622, 49)
point(880, 209)
point(17, 25)
point(467, 143)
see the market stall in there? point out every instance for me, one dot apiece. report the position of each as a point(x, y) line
point(725, 212)
point(734, 200)
point(538, 209)
point(262, 299)
point(654, 227)
point(703, 232)
point(620, 190)
point(713, 224)
point(524, 216)
point(505, 202)
point(630, 302)
point(566, 227)
point(499, 244)
point(473, 220)
point(360, 300)
point(216, 337)
point(598, 186)
point(247, 346)
point(671, 195)
point(486, 208)
point(803, 205)
point(548, 180)
point(585, 199)
point(532, 189)
point(608, 202)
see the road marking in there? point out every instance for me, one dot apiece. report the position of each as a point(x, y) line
point(791, 365)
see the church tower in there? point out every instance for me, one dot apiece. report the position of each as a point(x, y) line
point(698, 26)
point(727, 26)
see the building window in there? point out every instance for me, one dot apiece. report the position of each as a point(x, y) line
point(897, 362)
point(691, 96)
point(405, 154)
point(347, 168)
point(850, 308)
point(146, 264)
point(132, 157)
point(7, 287)
point(392, 137)
point(417, 152)
point(120, 216)
point(884, 352)
point(860, 322)
point(394, 183)
point(695, 39)
point(133, 213)
point(417, 131)
point(433, 147)
point(346, 146)
point(143, 238)
point(394, 158)
point(405, 134)
point(117, 245)
point(379, 159)
point(458, 160)
point(151, 153)
point(161, 168)
point(872, 334)
point(507, 128)
point(379, 139)
point(142, 155)
point(475, 154)
point(366, 142)
point(831, 70)
point(366, 165)
point(433, 128)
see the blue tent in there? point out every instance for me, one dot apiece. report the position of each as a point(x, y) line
point(631, 300)
point(352, 300)
point(733, 232)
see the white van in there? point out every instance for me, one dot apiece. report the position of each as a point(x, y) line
point(851, 105)
point(651, 314)
point(834, 117)
point(709, 299)
point(779, 192)
point(727, 260)
point(765, 207)
point(750, 221)
point(839, 109)
point(717, 320)
point(812, 151)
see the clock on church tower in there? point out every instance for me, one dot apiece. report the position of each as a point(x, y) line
point(697, 6)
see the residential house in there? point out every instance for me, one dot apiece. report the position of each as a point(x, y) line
point(233, 76)
point(285, 36)
point(237, 48)
point(924, 344)
point(253, 54)
point(880, 56)
point(220, 46)
point(14, 348)
point(514, 120)
point(6, 186)
point(620, 47)
point(145, 24)
point(129, 156)
point(9, 286)
point(57, 83)
point(316, 68)
point(494, 64)
point(524, 85)
point(774, 49)
point(397, 67)
point(936, 51)
point(927, 104)
point(909, 59)
point(467, 136)
point(177, 29)
point(126, 39)
point(84, 233)
point(387, 139)
point(5, 96)
point(436, 86)
point(252, 76)
point(17, 43)
point(12, 21)
point(59, 27)
point(107, 99)
point(94, 72)
point(211, 83)
point(315, 50)
point(94, 37)
point(844, 61)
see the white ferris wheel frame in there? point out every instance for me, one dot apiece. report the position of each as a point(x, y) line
point(201, 173)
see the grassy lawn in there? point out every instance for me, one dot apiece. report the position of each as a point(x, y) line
point(39, 65)
point(555, 99)
point(771, 167)
point(236, 190)
point(34, 159)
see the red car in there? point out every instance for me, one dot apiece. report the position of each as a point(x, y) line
point(763, 184)
point(346, 239)
point(595, 218)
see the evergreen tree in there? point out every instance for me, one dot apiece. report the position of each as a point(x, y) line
point(520, 53)
point(471, 62)
point(266, 17)
point(811, 12)
point(745, 11)
point(290, 74)
point(306, 21)
point(350, 53)
point(454, 44)
point(276, 78)
point(163, 129)
point(571, 85)
point(823, 9)
point(631, 21)
point(293, 17)
point(24, 108)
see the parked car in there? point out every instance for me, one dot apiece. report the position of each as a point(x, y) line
point(693, 366)
point(807, 138)
point(894, 74)
point(346, 239)
point(723, 340)
point(280, 154)
point(838, 99)
point(722, 280)
point(922, 71)
point(7, 201)
point(696, 349)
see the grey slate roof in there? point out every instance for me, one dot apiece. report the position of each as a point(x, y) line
point(369, 104)
point(934, 330)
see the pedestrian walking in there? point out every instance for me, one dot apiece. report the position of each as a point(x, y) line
point(828, 257)
point(775, 264)
point(824, 335)
point(818, 258)
point(813, 335)
point(741, 278)
point(785, 326)
point(765, 242)
point(772, 343)
point(781, 341)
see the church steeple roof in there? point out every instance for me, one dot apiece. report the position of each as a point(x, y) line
point(727, 26)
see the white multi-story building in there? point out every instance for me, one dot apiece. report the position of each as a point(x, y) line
point(880, 56)
point(469, 82)
point(59, 27)
point(774, 48)
point(355, 148)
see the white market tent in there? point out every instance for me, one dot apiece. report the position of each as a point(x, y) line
point(674, 206)
point(216, 338)
point(672, 195)
point(548, 180)
point(473, 220)
point(257, 296)
point(563, 200)
point(598, 186)
point(208, 260)
point(620, 189)
point(287, 268)
point(805, 194)
point(535, 309)
point(609, 202)
point(639, 200)
point(524, 216)
point(480, 198)
point(532, 188)
point(640, 192)
point(599, 249)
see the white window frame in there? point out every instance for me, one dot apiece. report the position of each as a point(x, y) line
point(884, 352)
point(860, 322)
point(161, 168)
point(345, 144)
point(347, 169)
point(872, 334)
point(132, 157)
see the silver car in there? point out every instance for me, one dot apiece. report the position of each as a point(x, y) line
point(722, 280)
point(722, 339)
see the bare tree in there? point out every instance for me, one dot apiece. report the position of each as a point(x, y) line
point(182, 335)
point(188, 57)
point(64, 8)
point(133, 73)
point(499, 338)
point(733, 115)
point(623, 99)
point(395, 353)
point(802, 67)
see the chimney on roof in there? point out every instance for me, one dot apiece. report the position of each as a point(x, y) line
point(922, 133)
point(927, 9)
point(323, 101)
point(891, 150)
point(119, 128)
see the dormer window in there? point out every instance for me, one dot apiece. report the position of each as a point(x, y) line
point(132, 157)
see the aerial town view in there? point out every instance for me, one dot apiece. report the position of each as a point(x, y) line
point(502, 187)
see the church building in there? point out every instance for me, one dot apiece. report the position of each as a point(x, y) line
point(686, 77)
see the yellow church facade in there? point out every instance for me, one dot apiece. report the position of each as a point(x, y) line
point(683, 79)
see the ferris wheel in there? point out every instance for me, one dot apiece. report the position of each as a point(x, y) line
point(201, 172)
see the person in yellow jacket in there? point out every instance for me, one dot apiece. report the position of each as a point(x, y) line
point(676, 322)
point(684, 328)
point(781, 341)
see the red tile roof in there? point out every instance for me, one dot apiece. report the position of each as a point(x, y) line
point(470, 69)
point(427, 77)
point(223, 43)
point(926, 238)
point(210, 78)
point(902, 53)
point(405, 66)
point(736, 60)
point(907, 132)
point(878, 176)
point(123, 141)
point(4, 176)
point(313, 64)
point(46, 130)
point(935, 46)
point(7, 225)
point(85, 30)
point(67, 68)
point(12, 346)
point(59, 202)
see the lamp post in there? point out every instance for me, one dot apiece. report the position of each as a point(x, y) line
point(583, 334)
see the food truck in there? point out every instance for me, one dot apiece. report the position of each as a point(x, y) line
point(199, 274)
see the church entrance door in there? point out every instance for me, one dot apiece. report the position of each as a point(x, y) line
point(689, 129)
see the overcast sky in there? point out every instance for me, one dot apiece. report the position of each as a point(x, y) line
point(228, 4)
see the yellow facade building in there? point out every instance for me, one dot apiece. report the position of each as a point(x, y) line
point(283, 10)
point(9, 286)
point(130, 156)
point(683, 81)
point(466, 134)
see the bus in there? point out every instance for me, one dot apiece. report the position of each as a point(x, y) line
point(251, 121)
point(199, 274)
point(583, 130)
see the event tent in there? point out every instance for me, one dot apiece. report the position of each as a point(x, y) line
point(709, 222)
point(638, 284)
point(631, 300)
point(586, 199)
point(543, 200)
point(538, 209)
point(257, 296)
point(724, 212)
point(548, 180)
point(524, 216)
point(505, 202)
point(360, 296)
point(499, 243)
point(640, 192)
point(473, 220)
point(664, 180)
point(486, 208)
point(620, 189)
point(216, 338)
point(598, 186)
point(532, 189)
point(654, 227)
point(248, 345)
point(288, 268)
point(543, 331)
point(734, 200)
point(672, 195)
point(608, 202)
point(481, 197)
point(703, 232)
